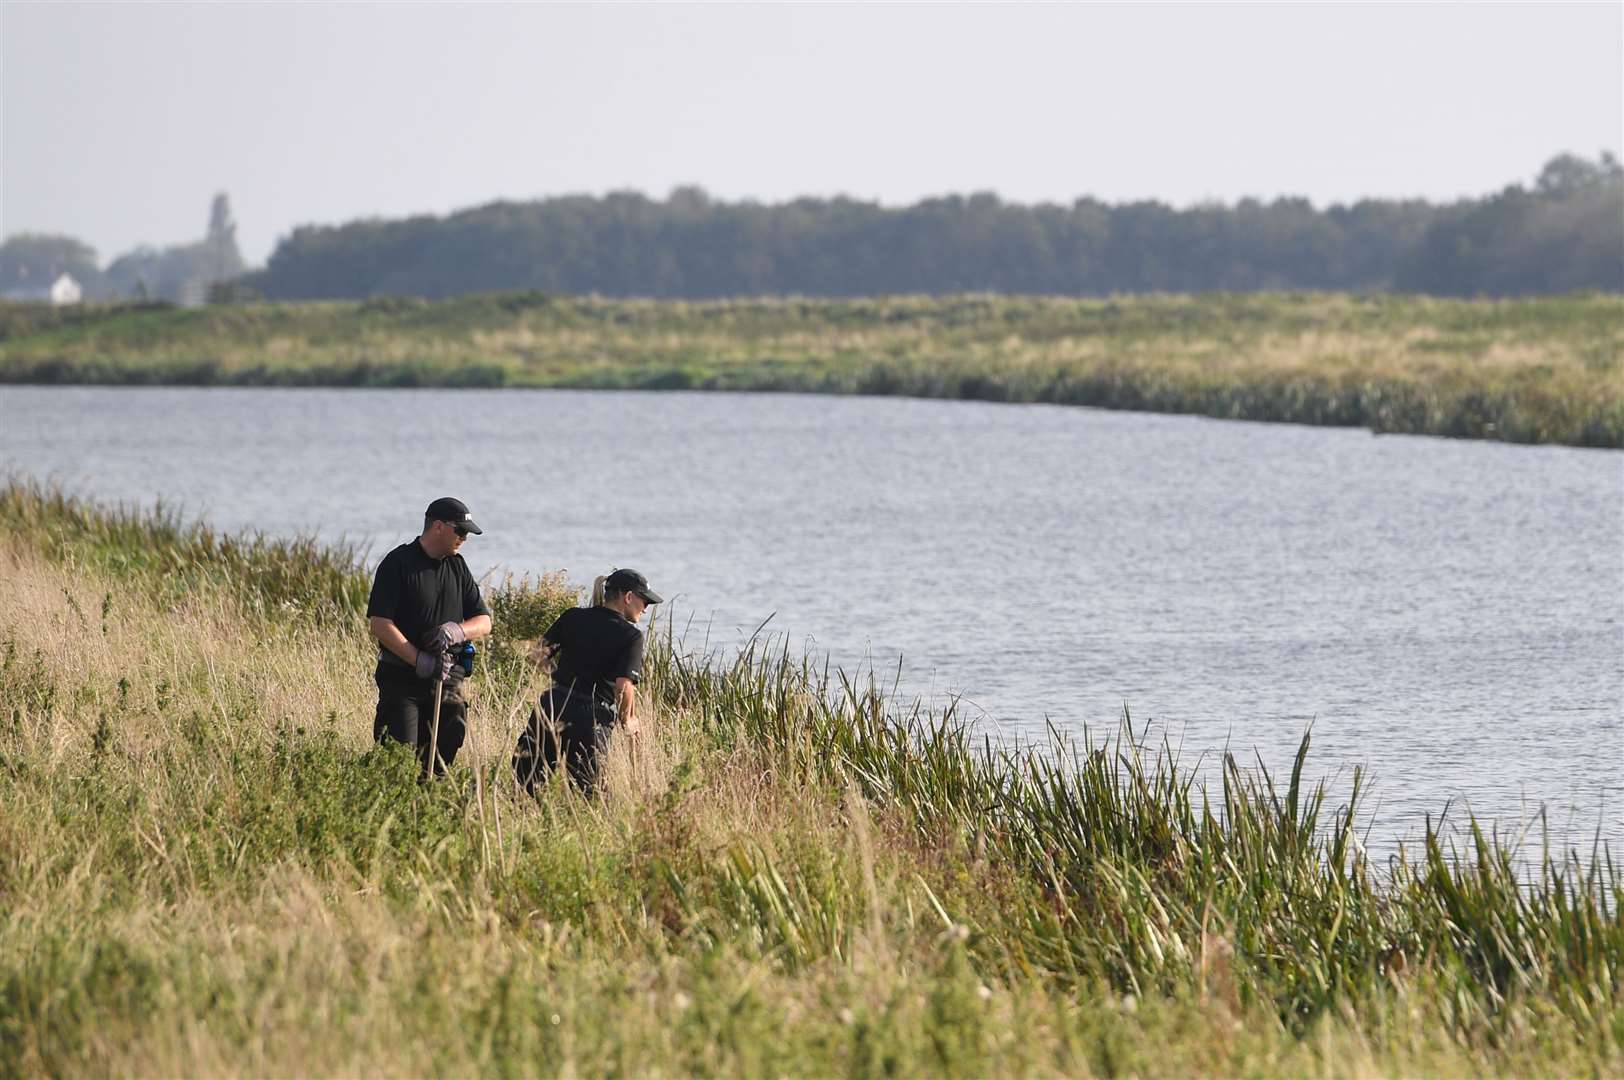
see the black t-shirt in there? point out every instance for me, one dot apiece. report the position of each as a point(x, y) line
point(596, 646)
point(418, 593)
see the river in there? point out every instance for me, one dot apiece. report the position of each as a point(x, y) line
point(1448, 613)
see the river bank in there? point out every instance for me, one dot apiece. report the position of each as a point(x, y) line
point(208, 868)
point(1529, 371)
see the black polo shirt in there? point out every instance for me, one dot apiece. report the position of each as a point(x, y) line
point(596, 646)
point(418, 593)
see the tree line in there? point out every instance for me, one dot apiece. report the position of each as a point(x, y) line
point(1562, 233)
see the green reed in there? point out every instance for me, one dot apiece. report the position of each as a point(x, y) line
point(1143, 873)
point(158, 550)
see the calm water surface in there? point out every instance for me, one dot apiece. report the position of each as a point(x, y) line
point(1450, 614)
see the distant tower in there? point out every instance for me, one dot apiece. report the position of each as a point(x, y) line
point(222, 260)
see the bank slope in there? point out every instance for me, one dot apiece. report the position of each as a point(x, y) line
point(1530, 370)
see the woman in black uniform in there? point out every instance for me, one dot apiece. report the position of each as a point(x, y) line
point(597, 660)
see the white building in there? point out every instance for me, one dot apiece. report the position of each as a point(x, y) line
point(64, 290)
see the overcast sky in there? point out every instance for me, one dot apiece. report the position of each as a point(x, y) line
point(121, 120)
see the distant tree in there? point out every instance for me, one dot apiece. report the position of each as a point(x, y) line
point(156, 273)
point(34, 260)
point(1567, 175)
point(1565, 234)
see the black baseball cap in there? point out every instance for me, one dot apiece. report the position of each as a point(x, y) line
point(633, 582)
point(453, 512)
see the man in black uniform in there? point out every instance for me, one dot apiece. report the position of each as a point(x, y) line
point(424, 604)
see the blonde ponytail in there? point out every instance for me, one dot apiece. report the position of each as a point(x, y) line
point(597, 590)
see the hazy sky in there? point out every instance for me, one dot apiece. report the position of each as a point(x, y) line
point(121, 120)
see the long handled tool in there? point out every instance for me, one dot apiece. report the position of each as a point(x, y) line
point(465, 660)
point(434, 725)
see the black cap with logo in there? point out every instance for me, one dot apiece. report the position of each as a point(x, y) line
point(454, 513)
point(633, 582)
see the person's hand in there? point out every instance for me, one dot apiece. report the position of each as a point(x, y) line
point(446, 635)
point(633, 726)
point(433, 665)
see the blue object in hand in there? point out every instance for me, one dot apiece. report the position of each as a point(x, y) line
point(465, 657)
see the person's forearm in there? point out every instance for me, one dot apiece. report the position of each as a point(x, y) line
point(390, 637)
point(626, 702)
point(477, 627)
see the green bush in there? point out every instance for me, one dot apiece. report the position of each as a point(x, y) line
point(522, 609)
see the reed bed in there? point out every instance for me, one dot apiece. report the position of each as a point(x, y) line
point(1530, 370)
point(155, 550)
point(208, 868)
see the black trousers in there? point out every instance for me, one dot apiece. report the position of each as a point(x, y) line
point(565, 727)
point(406, 715)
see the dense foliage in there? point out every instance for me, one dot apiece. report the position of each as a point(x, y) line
point(1566, 233)
point(31, 261)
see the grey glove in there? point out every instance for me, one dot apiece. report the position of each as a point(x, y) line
point(446, 635)
point(433, 665)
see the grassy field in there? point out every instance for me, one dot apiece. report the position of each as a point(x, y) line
point(207, 868)
point(1531, 370)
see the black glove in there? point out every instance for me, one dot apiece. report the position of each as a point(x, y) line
point(446, 635)
point(434, 665)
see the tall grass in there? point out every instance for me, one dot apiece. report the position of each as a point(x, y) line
point(208, 868)
point(158, 551)
point(1531, 370)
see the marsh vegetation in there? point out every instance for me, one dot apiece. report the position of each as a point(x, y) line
point(1530, 370)
point(209, 868)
